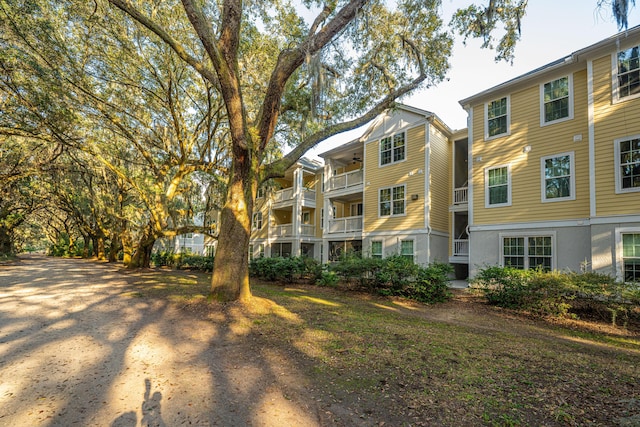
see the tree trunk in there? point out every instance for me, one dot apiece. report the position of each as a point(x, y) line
point(142, 255)
point(127, 247)
point(6, 241)
point(114, 248)
point(99, 247)
point(230, 280)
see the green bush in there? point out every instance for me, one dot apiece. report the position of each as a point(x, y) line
point(285, 269)
point(328, 278)
point(556, 293)
point(182, 261)
point(431, 284)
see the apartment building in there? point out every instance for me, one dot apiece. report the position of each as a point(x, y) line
point(384, 193)
point(554, 161)
point(286, 219)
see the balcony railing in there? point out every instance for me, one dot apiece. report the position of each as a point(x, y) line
point(346, 224)
point(345, 180)
point(461, 247)
point(284, 195)
point(284, 230)
point(308, 230)
point(460, 195)
point(309, 195)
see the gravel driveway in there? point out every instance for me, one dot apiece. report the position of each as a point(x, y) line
point(77, 348)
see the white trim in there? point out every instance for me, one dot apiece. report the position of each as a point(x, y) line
point(572, 178)
point(618, 177)
point(615, 90)
point(615, 219)
point(532, 225)
point(592, 140)
point(427, 174)
point(414, 232)
point(619, 231)
point(486, 187)
point(486, 119)
point(413, 247)
point(526, 235)
point(470, 191)
point(391, 214)
point(542, 103)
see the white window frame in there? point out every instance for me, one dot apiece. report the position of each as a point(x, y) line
point(381, 254)
point(619, 260)
point(260, 193)
point(321, 218)
point(618, 175)
point(543, 121)
point(256, 223)
point(261, 250)
point(392, 214)
point(486, 187)
point(487, 137)
point(251, 252)
point(413, 249)
point(615, 85)
point(393, 147)
point(526, 236)
point(572, 178)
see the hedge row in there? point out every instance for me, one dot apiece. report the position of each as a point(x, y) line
point(395, 275)
point(558, 293)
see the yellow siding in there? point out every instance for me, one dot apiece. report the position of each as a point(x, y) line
point(527, 205)
point(439, 181)
point(613, 121)
point(405, 172)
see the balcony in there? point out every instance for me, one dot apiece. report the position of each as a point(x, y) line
point(286, 230)
point(346, 180)
point(346, 224)
point(283, 195)
point(460, 195)
point(461, 247)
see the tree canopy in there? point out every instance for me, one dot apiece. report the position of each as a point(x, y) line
point(154, 102)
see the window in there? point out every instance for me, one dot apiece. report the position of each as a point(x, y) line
point(250, 252)
point(356, 209)
point(556, 100)
point(558, 181)
point(497, 186)
point(627, 152)
point(376, 249)
point(281, 250)
point(261, 250)
point(627, 77)
point(260, 193)
point(525, 252)
point(322, 218)
point(406, 249)
point(631, 257)
point(392, 149)
point(392, 201)
point(306, 217)
point(257, 221)
point(497, 118)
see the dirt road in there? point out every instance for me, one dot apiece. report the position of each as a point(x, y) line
point(78, 348)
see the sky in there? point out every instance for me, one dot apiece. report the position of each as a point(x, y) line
point(551, 29)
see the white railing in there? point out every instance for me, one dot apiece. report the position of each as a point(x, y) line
point(308, 230)
point(460, 195)
point(461, 247)
point(345, 180)
point(346, 224)
point(281, 230)
point(309, 195)
point(284, 195)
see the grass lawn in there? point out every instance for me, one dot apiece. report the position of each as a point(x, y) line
point(456, 363)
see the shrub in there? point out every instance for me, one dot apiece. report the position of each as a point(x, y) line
point(328, 278)
point(285, 269)
point(556, 293)
point(431, 284)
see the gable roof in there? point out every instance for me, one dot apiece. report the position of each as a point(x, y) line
point(575, 58)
